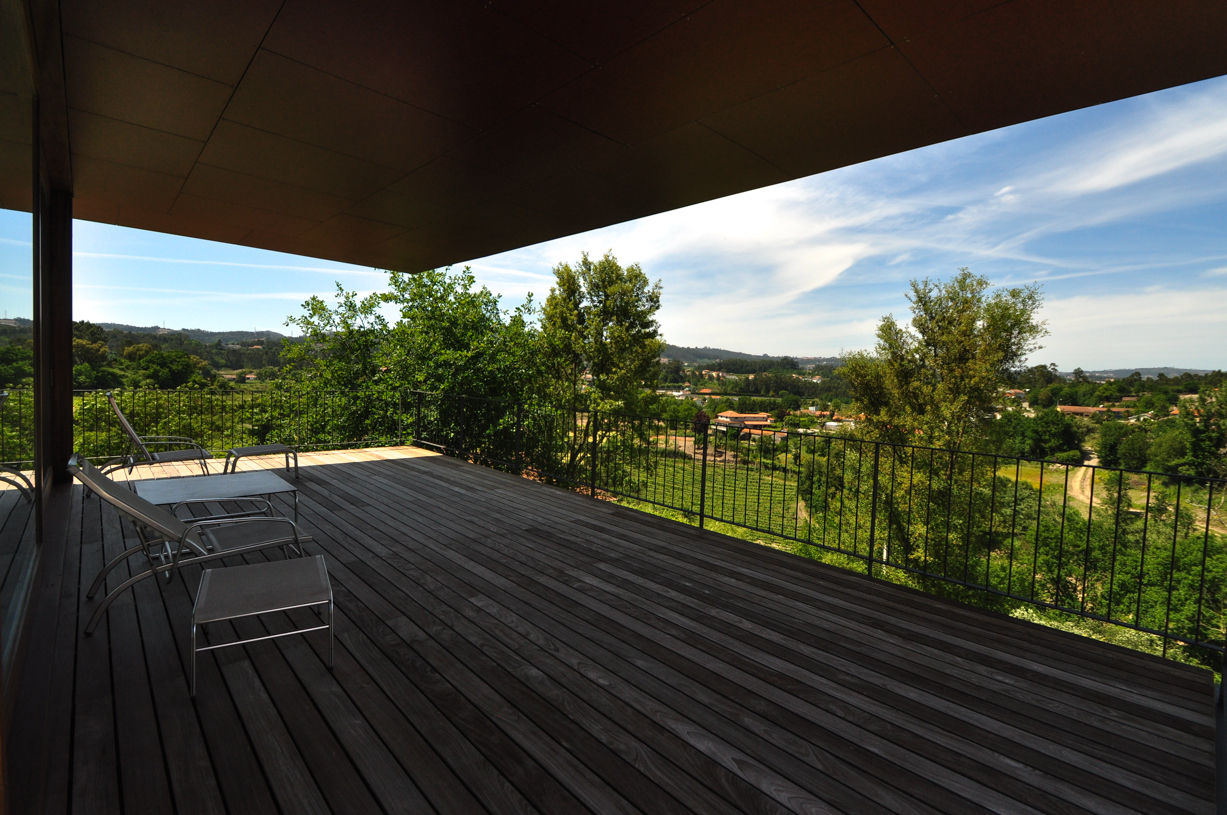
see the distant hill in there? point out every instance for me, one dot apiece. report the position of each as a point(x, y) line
point(1147, 373)
point(198, 334)
point(702, 356)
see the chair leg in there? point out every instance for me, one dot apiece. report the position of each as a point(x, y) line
point(193, 659)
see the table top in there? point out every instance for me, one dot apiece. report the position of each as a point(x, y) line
point(195, 487)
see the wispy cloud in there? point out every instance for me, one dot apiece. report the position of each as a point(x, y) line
point(180, 261)
point(1172, 136)
point(196, 295)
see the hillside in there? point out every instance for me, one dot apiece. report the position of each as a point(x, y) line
point(700, 356)
point(198, 334)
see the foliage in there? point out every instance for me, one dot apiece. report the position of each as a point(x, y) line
point(599, 344)
point(941, 377)
point(1043, 435)
point(600, 339)
point(453, 337)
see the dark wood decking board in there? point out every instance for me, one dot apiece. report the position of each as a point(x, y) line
point(506, 646)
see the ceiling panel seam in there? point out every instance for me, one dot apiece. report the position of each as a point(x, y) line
point(233, 90)
point(912, 65)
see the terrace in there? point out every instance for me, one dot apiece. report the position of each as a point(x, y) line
point(530, 648)
point(506, 645)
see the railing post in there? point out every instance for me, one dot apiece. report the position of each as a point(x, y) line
point(702, 427)
point(873, 505)
point(592, 454)
point(417, 416)
point(400, 418)
point(517, 445)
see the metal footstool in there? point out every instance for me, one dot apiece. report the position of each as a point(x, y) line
point(261, 588)
point(233, 455)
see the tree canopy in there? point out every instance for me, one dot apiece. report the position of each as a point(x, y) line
point(599, 322)
point(936, 381)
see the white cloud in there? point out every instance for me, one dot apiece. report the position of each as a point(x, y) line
point(1175, 135)
point(1143, 328)
point(327, 270)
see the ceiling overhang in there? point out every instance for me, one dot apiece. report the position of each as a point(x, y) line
point(411, 135)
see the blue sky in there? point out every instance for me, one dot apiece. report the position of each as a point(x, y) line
point(1119, 212)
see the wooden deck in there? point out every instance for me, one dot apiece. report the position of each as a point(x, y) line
point(505, 646)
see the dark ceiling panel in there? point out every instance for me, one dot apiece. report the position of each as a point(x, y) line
point(413, 134)
point(723, 55)
point(191, 207)
point(286, 97)
point(133, 145)
point(458, 60)
point(868, 108)
point(120, 86)
point(107, 185)
point(597, 30)
point(214, 39)
point(1020, 61)
point(266, 155)
point(238, 188)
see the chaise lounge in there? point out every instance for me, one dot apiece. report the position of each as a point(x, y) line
point(170, 543)
point(156, 449)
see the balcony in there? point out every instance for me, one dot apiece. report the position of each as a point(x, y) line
point(507, 645)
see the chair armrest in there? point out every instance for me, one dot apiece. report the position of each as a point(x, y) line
point(167, 441)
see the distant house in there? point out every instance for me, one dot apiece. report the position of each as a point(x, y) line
point(1082, 410)
point(1014, 393)
point(731, 418)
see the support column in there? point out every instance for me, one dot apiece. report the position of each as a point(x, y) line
point(54, 341)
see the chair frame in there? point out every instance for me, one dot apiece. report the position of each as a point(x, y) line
point(170, 543)
point(12, 475)
point(141, 452)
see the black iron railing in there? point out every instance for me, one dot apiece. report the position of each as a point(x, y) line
point(1139, 551)
point(1136, 550)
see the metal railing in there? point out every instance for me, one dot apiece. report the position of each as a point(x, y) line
point(1137, 550)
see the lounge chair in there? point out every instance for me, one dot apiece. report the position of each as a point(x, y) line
point(12, 475)
point(169, 543)
point(168, 448)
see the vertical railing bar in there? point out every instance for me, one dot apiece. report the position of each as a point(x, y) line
point(1035, 550)
point(1205, 547)
point(1009, 579)
point(873, 506)
point(1120, 494)
point(967, 531)
point(1137, 614)
point(992, 515)
point(1086, 552)
point(1059, 580)
point(1171, 571)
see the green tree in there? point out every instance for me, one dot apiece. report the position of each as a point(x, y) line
point(942, 376)
point(600, 338)
point(600, 347)
point(451, 336)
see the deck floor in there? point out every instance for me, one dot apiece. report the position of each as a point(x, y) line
point(506, 646)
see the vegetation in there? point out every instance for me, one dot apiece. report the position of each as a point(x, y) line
point(941, 378)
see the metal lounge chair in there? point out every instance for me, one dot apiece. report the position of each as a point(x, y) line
point(12, 475)
point(166, 448)
point(169, 543)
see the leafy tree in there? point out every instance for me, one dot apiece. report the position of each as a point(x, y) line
point(16, 364)
point(599, 321)
point(453, 337)
point(172, 369)
point(1111, 434)
point(941, 377)
point(600, 345)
